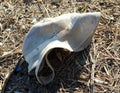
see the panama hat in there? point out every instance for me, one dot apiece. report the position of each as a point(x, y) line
point(71, 31)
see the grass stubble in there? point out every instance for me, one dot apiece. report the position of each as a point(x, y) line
point(100, 74)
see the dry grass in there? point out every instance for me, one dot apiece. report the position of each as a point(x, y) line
point(101, 73)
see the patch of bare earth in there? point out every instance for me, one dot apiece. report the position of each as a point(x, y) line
point(100, 74)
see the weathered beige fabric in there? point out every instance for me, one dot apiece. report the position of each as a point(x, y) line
point(72, 31)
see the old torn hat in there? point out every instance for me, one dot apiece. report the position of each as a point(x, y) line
point(71, 31)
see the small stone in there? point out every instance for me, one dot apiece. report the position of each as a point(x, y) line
point(34, 20)
point(1, 28)
point(112, 20)
point(23, 27)
point(8, 30)
point(1, 43)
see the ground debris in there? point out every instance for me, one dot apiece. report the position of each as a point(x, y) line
point(17, 17)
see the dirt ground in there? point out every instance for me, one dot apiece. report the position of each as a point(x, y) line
point(93, 70)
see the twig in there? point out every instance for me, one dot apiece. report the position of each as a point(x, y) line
point(73, 4)
point(92, 75)
point(106, 70)
point(16, 50)
point(44, 8)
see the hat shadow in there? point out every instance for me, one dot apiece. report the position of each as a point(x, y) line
point(71, 74)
